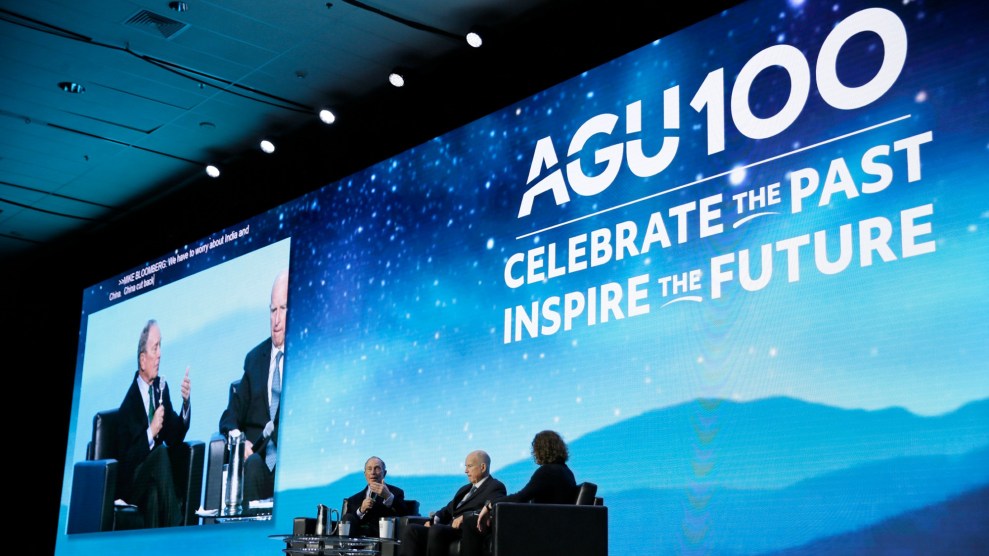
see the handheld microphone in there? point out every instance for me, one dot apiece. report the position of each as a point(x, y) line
point(159, 387)
point(376, 497)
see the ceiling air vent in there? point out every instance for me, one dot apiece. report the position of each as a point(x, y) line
point(156, 23)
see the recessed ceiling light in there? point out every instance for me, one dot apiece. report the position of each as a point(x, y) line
point(70, 87)
point(474, 39)
point(396, 79)
point(212, 171)
point(267, 146)
point(326, 116)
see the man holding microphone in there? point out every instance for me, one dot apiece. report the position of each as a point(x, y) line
point(374, 502)
point(148, 429)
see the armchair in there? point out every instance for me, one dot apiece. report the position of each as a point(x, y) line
point(416, 518)
point(578, 529)
point(540, 529)
point(411, 509)
point(410, 515)
point(94, 482)
point(587, 494)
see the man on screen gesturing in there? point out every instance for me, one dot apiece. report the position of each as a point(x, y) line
point(148, 429)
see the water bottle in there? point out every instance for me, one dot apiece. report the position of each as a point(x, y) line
point(233, 497)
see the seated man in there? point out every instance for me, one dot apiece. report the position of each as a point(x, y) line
point(148, 428)
point(378, 500)
point(435, 537)
point(254, 409)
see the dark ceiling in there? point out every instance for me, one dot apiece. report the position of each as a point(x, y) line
point(167, 92)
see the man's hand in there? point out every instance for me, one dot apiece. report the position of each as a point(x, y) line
point(158, 421)
point(248, 449)
point(186, 386)
point(483, 519)
point(366, 505)
point(457, 521)
point(381, 489)
point(269, 428)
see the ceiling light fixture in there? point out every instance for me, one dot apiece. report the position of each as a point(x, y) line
point(212, 171)
point(396, 78)
point(474, 39)
point(267, 146)
point(70, 87)
point(327, 116)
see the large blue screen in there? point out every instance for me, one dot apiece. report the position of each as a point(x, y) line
point(743, 270)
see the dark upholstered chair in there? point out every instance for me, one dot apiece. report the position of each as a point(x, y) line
point(579, 529)
point(586, 493)
point(411, 508)
point(94, 482)
point(541, 529)
point(547, 529)
point(404, 522)
point(411, 513)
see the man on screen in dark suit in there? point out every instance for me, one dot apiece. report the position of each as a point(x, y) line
point(374, 502)
point(254, 407)
point(434, 538)
point(148, 429)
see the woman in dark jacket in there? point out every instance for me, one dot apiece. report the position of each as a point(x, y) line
point(552, 483)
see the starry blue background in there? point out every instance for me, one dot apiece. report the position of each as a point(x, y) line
point(397, 301)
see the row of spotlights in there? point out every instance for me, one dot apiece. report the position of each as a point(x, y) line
point(396, 78)
point(326, 116)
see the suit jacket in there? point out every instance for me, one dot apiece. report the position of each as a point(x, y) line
point(132, 436)
point(379, 510)
point(247, 409)
point(492, 488)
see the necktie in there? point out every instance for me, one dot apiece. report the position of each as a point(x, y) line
point(276, 391)
point(151, 403)
point(473, 489)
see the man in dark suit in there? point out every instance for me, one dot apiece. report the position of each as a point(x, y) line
point(148, 429)
point(254, 407)
point(374, 502)
point(434, 538)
